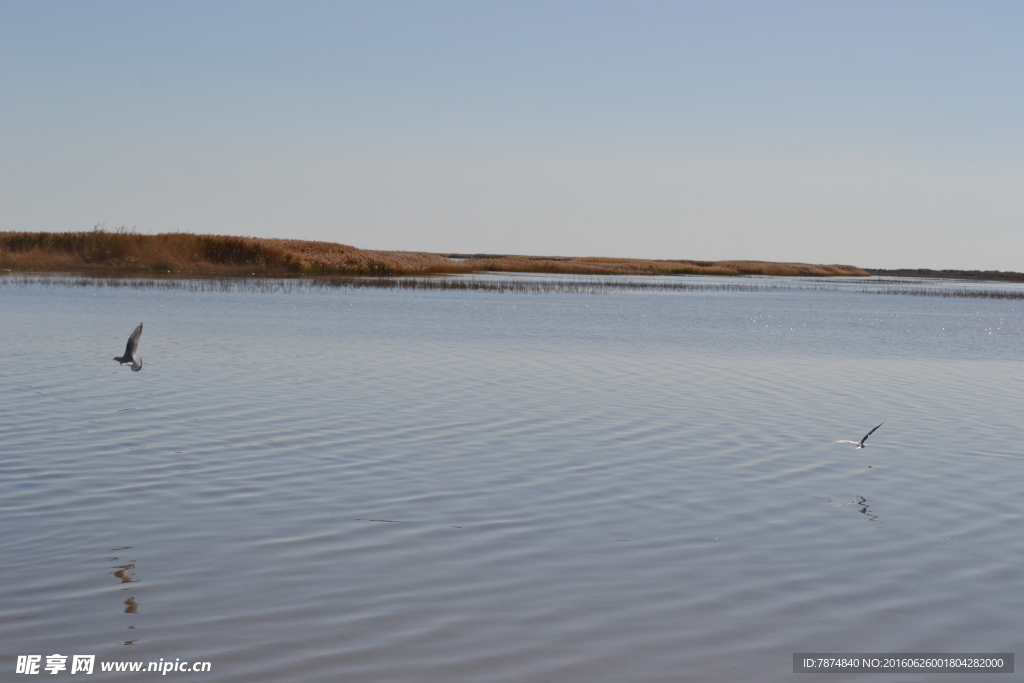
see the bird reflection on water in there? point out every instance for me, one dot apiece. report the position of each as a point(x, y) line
point(126, 573)
point(865, 509)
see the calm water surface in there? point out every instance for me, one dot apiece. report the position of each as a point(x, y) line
point(608, 487)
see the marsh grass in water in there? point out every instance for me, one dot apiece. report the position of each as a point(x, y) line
point(577, 285)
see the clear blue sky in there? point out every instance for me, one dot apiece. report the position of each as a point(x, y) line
point(882, 134)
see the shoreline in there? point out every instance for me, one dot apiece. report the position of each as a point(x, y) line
point(123, 253)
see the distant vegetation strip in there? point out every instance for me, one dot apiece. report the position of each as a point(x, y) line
point(575, 285)
point(596, 265)
point(988, 275)
point(117, 252)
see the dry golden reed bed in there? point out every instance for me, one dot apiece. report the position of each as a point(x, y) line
point(125, 251)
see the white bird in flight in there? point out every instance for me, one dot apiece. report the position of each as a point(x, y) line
point(860, 444)
point(131, 356)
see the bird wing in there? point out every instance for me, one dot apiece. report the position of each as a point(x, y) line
point(845, 441)
point(870, 433)
point(137, 366)
point(133, 342)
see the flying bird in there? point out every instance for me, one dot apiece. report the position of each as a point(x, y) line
point(860, 444)
point(131, 351)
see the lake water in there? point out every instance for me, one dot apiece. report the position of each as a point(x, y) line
point(413, 486)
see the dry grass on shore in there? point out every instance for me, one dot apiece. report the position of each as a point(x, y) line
point(593, 265)
point(127, 251)
point(332, 258)
point(124, 251)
